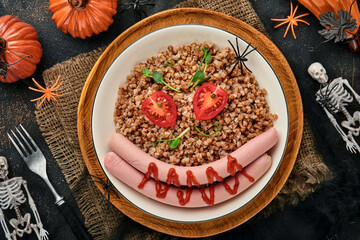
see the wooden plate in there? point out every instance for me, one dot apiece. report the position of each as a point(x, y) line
point(273, 57)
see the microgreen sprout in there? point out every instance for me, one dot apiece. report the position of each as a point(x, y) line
point(158, 76)
point(199, 76)
point(217, 124)
point(174, 142)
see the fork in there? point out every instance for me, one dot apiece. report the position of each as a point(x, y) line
point(36, 162)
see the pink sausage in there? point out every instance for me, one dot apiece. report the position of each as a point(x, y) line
point(141, 160)
point(130, 176)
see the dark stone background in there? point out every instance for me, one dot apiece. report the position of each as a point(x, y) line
point(331, 213)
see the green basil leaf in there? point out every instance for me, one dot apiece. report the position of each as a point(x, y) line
point(158, 77)
point(199, 75)
point(146, 72)
point(204, 79)
point(174, 143)
point(201, 81)
point(208, 57)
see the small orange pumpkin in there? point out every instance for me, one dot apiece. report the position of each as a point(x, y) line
point(318, 7)
point(20, 49)
point(83, 18)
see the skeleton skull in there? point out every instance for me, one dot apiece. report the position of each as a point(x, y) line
point(3, 167)
point(318, 72)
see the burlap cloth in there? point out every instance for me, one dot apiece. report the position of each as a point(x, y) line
point(58, 125)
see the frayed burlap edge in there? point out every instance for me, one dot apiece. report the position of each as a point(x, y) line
point(58, 125)
point(239, 9)
point(57, 122)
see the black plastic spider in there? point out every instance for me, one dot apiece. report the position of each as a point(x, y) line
point(324, 99)
point(107, 186)
point(136, 6)
point(240, 58)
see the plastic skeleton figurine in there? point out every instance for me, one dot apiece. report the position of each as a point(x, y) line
point(11, 196)
point(334, 96)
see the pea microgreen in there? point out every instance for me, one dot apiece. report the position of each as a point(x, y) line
point(199, 76)
point(218, 125)
point(158, 76)
point(174, 142)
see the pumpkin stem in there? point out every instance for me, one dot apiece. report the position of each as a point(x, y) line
point(27, 56)
point(77, 3)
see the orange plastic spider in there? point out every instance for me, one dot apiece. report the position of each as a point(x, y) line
point(291, 20)
point(48, 92)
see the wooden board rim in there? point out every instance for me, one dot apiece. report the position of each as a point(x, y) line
point(275, 59)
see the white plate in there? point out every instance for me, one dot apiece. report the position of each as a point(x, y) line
point(104, 105)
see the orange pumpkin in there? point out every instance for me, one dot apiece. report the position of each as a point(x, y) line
point(83, 18)
point(20, 49)
point(318, 7)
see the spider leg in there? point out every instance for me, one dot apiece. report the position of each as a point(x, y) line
point(233, 68)
point(144, 2)
point(108, 193)
point(114, 191)
point(287, 29)
point(243, 54)
point(287, 21)
point(296, 8)
point(41, 102)
point(237, 46)
point(231, 63)
point(103, 197)
point(302, 15)
point(249, 52)
point(279, 19)
point(56, 94)
point(36, 90)
point(102, 183)
point(54, 87)
point(247, 67)
point(97, 178)
point(33, 100)
point(241, 67)
point(56, 82)
point(143, 11)
point(54, 98)
point(300, 20)
point(292, 30)
point(233, 47)
point(38, 85)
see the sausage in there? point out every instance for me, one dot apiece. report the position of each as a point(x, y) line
point(193, 197)
point(196, 175)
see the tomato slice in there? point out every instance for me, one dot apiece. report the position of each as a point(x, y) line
point(160, 109)
point(208, 101)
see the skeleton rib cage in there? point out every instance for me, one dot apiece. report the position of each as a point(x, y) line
point(11, 194)
point(334, 97)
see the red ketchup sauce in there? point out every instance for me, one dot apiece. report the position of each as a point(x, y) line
point(191, 179)
point(232, 165)
point(152, 169)
point(180, 194)
point(250, 178)
point(161, 191)
point(173, 178)
point(208, 200)
point(211, 174)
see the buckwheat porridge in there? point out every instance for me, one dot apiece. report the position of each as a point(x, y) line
point(245, 115)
